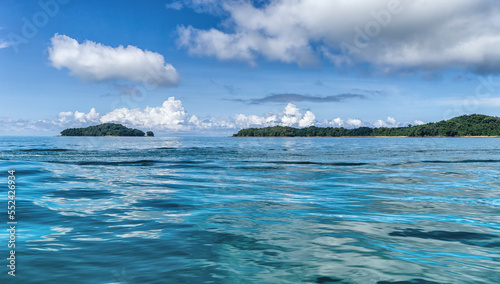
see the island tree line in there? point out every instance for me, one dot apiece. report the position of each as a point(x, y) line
point(105, 129)
point(465, 125)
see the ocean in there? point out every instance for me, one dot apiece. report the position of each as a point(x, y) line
point(251, 210)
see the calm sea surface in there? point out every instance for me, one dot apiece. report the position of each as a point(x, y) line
point(253, 210)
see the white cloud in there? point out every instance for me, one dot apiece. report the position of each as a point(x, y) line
point(354, 122)
point(170, 115)
point(290, 117)
point(391, 34)
point(97, 62)
point(214, 43)
point(336, 122)
point(418, 122)
point(308, 119)
point(379, 123)
point(70, 117)
point(293, 117)
point(65, 116)
point(390, 122)
point(292, 110)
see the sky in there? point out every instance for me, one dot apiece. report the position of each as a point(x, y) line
point(214, 67)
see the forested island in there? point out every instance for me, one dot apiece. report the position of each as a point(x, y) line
point(461, 126)
point(105, 129)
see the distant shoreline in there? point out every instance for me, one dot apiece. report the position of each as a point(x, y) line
point(366, 136)
point(106, 130)
point(474, 125)
point(98, 136)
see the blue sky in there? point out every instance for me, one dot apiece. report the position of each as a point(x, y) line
point(218, 66)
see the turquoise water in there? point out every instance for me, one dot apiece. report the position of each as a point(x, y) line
point(253, 210)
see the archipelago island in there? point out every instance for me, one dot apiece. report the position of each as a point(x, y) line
point(105, 129)
point(474, 125)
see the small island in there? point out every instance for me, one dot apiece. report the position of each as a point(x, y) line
point(462, 126)
point(105, 129)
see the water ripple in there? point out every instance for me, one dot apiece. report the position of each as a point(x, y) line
point(257, 210)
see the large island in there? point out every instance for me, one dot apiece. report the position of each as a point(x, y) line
point(105, 129)
point(461, 126)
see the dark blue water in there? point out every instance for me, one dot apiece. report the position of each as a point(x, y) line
point(253, 210)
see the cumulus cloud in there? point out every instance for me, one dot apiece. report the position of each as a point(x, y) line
point(308, 119)
point(80, 117)
point(391, 35)
point(389, 122)
point(292, 116)
point(353, 122)
point(86, 117)
point(292, 110)
point(171, 116)
point(336, 122)
point(97, 62)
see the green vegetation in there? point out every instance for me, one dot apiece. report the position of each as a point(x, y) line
point(465, 125)
point(150, 134)
point(106, 129)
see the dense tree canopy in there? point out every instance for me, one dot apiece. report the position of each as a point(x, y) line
point(106, 129)
point(465, 125)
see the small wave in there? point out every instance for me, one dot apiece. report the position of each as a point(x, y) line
point(170, 164)
point(46, 150)
point(460, 161)
point(326, 279)
point(442, 235)
point(80, 193)
point(163, 204)
point(468, 238)
point(119, 163)
point(412, 281)
point(341, 164)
